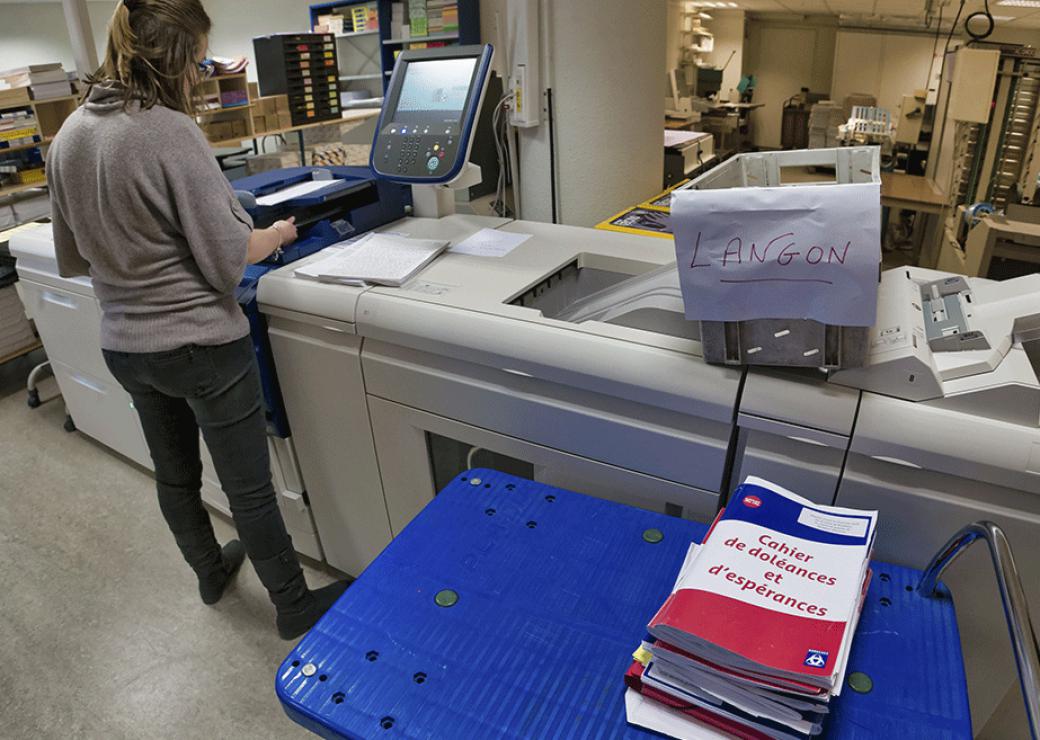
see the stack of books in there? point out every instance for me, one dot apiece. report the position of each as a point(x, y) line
point(824, 119)
point(417, 18)
point(755, 637)
point(442, 16)
point(43, 80)
point(18, 128)
point(364, 17)
point(397, 20)
point(451, 18)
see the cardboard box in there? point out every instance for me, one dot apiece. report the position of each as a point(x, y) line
point(272, 161)
point(218, 130)
point(254, 90)
point(284, 119)
point(281, 103)
point(269, 105)
point(259, 124)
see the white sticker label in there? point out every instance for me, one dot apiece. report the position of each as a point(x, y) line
point(843, 525)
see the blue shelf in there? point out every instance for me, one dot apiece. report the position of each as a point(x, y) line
point(422, 39)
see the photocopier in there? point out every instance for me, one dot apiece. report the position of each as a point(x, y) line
point(569, 360)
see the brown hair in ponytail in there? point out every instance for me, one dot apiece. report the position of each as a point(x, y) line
point(152, 52)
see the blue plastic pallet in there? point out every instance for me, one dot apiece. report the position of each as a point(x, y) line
point(554, 593)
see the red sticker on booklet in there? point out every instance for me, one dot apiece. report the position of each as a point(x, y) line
point(753, 501)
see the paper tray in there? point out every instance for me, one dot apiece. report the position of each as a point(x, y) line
point(554, 591)
point(802, 343)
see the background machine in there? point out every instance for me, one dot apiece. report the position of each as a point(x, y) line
point(989, 115)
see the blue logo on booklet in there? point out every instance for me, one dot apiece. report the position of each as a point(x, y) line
point(816, 658)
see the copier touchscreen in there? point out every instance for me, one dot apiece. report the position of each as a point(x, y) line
point(431, 106)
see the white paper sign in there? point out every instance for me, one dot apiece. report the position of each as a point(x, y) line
point(806, 252)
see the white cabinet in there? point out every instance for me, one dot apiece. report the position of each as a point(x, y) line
point(103, 410)
point(68, 319)
point(325, 403)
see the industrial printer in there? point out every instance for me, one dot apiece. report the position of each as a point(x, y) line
point(330, 204)
point(569, 360)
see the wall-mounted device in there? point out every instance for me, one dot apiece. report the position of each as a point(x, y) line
point(523, 58)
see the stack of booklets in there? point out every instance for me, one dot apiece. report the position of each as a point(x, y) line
point(379, 259)
point(43, 80)
point(754, 640)
point(396, 20)
point(417, 19)
point(18, 128)
point(439, 13)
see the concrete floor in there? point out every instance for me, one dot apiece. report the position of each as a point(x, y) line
point(102, 633)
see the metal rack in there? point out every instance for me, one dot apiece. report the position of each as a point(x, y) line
point(1013, 598)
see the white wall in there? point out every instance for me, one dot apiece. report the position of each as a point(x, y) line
point(34, 33)
point(786, 55)
point(603, 60)
point(728, 28)
point(886, 66)
point(236, 23)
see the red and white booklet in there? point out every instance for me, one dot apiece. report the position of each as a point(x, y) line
point(774, 592)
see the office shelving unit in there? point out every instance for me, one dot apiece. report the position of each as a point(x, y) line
point(50, 113)
point(366, 57)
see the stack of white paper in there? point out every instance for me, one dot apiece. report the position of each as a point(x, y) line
point(381, 259)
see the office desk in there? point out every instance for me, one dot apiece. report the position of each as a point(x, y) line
point(356, 115)
point(914, 193)
point(509, 608)
point(911, 192)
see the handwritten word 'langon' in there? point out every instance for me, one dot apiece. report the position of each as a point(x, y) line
point(782, 249)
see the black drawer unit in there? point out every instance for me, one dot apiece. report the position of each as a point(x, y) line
point(304, 67)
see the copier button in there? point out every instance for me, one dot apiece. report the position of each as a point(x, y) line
point(432, 163)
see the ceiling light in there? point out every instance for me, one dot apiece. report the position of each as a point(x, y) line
point(1020, 3)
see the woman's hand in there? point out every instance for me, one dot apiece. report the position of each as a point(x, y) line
point(264, 242)
point(286, 230)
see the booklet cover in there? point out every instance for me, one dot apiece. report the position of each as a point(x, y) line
point(776, 586)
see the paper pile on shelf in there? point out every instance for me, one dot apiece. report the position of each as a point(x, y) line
point(824, 119)
point(43, 80)
point(442, 16)
point(755, 637)
point(18, 128)
point(417, 18)
point(396, 20)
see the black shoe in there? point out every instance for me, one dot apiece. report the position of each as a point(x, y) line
point(211, 586)
point(298, 607)
point(295, 620)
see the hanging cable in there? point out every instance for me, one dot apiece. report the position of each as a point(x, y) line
point(984, 13)
point(499, 132)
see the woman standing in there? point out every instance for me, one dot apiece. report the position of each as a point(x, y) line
point(139, 204)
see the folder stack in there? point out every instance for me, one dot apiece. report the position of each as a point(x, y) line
point(754, 640)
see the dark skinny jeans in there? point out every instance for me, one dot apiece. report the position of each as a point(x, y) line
point(215, 389)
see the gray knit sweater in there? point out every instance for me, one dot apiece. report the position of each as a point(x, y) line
point(140, 205)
